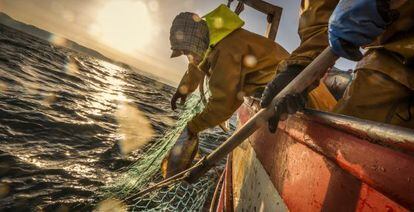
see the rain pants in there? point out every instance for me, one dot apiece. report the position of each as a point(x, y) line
point(238, 64)
point(383, 88)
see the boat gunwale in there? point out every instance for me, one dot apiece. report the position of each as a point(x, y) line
point(375, 177)
point(394, 137)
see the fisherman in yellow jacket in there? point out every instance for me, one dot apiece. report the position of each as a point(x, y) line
point(237, 62)
point(383, 89)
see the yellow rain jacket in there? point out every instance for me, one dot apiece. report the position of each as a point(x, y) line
point(390, 60)
point(313, 28)
point(238, 63)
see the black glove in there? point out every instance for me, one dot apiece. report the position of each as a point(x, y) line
point(177, 96)
point(291, 103)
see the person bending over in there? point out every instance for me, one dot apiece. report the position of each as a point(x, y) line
point(237, 63)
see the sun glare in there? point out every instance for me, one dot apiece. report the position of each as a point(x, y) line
point(124, 25)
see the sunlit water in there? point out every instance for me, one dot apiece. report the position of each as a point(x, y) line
point(61, 117)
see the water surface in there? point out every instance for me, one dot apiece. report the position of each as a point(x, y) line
point(59, 131)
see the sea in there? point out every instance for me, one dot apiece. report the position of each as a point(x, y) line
point(62, 123)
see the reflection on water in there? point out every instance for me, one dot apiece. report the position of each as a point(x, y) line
point(71, 67)
point(57, 40)
point(68, 122)
point(111, 205)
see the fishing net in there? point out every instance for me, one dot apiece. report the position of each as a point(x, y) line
point(146, 171)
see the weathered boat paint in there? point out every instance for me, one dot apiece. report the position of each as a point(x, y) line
point(251, 190)
point(317, 164)
point(226, 194)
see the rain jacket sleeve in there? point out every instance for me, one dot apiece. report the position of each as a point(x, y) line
point(191, 79)
point(224, 87)
point(313, 30)
point(313, 25)
point(313, 33)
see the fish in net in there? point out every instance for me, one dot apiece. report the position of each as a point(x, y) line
point(179, 196)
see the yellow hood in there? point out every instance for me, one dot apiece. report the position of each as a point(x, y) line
point(221, 22)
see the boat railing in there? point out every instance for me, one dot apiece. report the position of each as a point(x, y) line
point(395, 137)
point(387, 135)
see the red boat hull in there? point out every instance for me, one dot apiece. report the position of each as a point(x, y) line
point(312, 166)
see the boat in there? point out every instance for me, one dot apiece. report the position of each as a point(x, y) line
point(317, 161)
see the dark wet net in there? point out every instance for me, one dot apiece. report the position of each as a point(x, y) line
point(146, 172)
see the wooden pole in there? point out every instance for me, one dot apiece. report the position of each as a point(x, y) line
point(310, 74)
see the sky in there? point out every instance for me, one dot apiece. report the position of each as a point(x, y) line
point(137, 31)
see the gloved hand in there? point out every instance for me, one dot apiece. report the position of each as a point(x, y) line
point(356, 23)
point(175, 97)
point(181, 154)
point(290, 104)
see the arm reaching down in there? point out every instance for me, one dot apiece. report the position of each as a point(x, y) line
point(190, 81)
point(313, 31)
point(226, 95)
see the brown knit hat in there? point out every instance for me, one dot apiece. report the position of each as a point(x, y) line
point(189, 33)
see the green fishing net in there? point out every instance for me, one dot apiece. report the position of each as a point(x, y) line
point(146, 172)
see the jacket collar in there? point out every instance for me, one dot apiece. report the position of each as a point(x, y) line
point(221, 22)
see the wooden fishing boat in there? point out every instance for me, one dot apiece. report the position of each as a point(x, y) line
point(317, 161)
point(320, 162)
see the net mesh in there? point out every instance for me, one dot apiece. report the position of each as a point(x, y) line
point(146, 171)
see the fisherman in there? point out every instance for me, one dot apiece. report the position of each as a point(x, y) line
point(238, 64)
point(382, 90)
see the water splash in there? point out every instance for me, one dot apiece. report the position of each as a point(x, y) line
point(134, 128)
